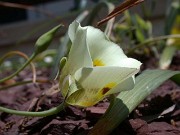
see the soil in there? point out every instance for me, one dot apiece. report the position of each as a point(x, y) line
point(158, 114)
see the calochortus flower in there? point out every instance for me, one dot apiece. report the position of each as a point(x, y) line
point(95, 67)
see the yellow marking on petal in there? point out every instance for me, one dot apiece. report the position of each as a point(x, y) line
point(90, 101)
point(98, 62)
point(108, 87)
point(87, 104)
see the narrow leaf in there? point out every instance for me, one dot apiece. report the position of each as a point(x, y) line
point(174, 10)
point(176, 79)
point(126, 101)
point(167, 56)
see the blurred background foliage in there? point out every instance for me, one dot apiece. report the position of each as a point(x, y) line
point(144, 29)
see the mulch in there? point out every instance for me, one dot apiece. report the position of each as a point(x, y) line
point(158, 114)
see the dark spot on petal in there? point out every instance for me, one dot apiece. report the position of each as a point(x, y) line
point(105, 90)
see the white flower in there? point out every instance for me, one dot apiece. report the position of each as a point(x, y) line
point(95, 67)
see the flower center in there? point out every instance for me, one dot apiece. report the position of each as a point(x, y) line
point(98, 62)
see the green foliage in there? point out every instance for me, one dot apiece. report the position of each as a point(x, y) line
point(172, 26)
point(173, 12)
point(166, 57)
point(133, 30)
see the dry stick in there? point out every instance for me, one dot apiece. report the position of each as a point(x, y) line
point(9, 54)
point(121, 8)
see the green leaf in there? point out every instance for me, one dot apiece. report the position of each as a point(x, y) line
point(141, 23)
point(128, 100)
point(176, 79)
point(139, 35)
point(166, 57)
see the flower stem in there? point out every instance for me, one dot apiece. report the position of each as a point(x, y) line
point(20, 69)
point(21, 83)
point(49, 112)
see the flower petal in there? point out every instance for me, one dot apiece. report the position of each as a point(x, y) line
point(79, 55)
point(130, 63)
point(89, 97)
point(68, 86)
point(83, 98)
point(64, 85)
point(96, 82)
point(128, 84)
point(98, 77)
point(72, 30)
point(102, 50)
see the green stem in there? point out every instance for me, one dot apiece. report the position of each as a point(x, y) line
point(20, 69)
point(21, 83)
point(49, 112)
point(152, 40)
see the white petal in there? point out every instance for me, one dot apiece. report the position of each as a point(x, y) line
point(98, 78)
point(94, 83)
point(68, 86)
point(72, 30)
point(83, 98)
point(64, 85)
point(128, 84)
point(102, 50)
point(79, 55)
point(130, 63)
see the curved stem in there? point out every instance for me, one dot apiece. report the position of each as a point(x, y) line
point(49, 112)
point(9, 54)
point(152, 40)
point(20, 69)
